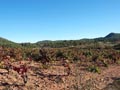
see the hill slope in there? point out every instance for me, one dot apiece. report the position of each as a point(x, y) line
point(113, 36)
point(8, 43)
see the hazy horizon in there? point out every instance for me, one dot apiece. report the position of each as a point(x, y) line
point(37, 20)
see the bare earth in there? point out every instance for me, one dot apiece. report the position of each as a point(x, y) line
point(56, 78)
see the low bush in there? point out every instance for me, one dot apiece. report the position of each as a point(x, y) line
point(94, 69)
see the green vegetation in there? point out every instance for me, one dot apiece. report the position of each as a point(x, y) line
point(94, 69)
point(7, 43)
point(103, 42)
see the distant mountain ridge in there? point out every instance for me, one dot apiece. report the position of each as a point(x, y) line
point(111, 37)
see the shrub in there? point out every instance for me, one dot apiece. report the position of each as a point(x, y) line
point(105, 64)
point(94, 69)
point(60, 55)
point(75, 59)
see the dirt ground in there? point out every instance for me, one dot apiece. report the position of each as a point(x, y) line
point(56, 78)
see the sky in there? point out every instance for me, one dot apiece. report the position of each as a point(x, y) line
point(36, 20)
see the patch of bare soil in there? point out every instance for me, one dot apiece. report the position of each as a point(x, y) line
point(55, 77)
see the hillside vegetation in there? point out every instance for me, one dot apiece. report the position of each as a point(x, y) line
point(110, 39)
point(7, 43)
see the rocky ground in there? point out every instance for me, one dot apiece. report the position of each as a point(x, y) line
point(55, 78)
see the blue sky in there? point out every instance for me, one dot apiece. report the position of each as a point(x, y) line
point(35, 20)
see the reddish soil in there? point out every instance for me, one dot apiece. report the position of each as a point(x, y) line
point(56, 78)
